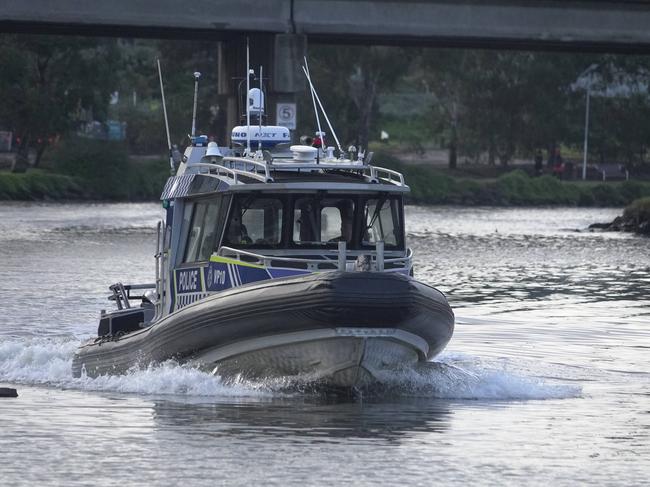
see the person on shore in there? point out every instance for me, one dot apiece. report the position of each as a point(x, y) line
point(557, 163)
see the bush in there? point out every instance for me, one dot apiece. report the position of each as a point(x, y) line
point(515, 188)
point(607, 195)
point(37, 185)
point(638, 210)
point(147, 179)
point(102, 165)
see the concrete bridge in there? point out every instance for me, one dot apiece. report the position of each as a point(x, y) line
point(613, 25)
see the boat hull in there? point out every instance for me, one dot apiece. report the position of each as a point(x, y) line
point(340, 357)
point(337, 328)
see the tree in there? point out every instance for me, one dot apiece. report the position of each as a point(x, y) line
point(349, 80)
point(48, 81)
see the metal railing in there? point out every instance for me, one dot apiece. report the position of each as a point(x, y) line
point(336, 260)
point(386, 175)
point(234, 167)
point(121, 293)
point(220, 170)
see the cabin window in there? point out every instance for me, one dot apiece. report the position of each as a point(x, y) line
point(255, 222)
point(204, 230)
point(318, 221)
point(382, 219)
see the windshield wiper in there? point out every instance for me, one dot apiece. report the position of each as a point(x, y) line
point(375, 215)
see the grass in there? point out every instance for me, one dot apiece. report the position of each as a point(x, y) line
point(40, 185)
point(95, 170)
point(138, 182)
point(515, 188)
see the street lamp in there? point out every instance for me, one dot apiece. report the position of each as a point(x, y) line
point(589, 71)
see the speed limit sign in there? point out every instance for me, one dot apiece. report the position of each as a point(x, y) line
point(286, 115)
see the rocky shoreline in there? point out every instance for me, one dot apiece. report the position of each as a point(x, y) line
point(635, 218)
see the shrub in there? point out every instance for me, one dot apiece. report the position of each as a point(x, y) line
point(147, 179)
point(639, 210)
point(607, 195)
point(36, 185)
point(103, 165)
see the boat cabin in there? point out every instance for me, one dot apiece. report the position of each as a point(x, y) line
point(236, 220)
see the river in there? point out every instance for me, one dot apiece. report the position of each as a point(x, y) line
point(545, 382)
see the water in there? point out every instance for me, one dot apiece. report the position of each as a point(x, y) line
point(546, 381)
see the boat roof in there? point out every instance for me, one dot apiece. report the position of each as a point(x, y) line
point(200, 174)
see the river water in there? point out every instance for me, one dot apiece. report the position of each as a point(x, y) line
point(545, 382)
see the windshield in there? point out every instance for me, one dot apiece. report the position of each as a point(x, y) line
point(315, 221)
point(319, 221)
point(382, 220)
point(255, 222)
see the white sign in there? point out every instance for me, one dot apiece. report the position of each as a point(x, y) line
point(286, 115)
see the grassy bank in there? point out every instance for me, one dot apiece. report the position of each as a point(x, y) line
point(39, 185)
point(85, 169)
point(143, 181)
point(92, 170)
point(516, 188)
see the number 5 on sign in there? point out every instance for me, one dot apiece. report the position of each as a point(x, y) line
point(286, 115)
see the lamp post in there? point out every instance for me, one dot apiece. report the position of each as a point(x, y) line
point(588, 71)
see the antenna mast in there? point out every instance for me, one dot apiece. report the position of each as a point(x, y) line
point(313, 91)
point(248, 100)
point(169, 142)
point(197, 75)
point(313, 99)
point(259, 136)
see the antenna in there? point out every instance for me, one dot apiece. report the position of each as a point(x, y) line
point(197, 75)
point(248, 100)
point(313, 99)
point(169, 142)
point(259, 136)
point(313, 91)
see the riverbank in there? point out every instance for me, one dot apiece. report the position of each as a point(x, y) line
point(515, 188)
point(143, 180)
point(635, 218)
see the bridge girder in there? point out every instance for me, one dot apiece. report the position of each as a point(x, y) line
point(594, 25)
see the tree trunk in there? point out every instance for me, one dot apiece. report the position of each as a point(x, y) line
point(453, 148)
point(365, 105)
point(491, 154)
point(39, 154)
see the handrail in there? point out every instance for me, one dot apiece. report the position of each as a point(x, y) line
point(233, 173)
point(375, 173)
point(265, 259)
point(244, 160)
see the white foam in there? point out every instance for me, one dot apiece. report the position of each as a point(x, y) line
point(49, 362)
point(40, 361)
point(464, 377)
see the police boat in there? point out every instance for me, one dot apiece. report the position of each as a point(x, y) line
point(283, 262)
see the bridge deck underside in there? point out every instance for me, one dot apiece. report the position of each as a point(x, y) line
point(570, 24)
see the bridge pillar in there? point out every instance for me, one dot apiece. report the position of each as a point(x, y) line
point(281, 56)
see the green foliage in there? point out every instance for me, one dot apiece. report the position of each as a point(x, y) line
point(608, 195)
point(48, 82)
point(38, 185)
point(147, 179)
point(103, 165)
point(89, 169)
point(515, 188)
point(638, 210)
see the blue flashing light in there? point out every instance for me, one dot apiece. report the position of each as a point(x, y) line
point(199, 141)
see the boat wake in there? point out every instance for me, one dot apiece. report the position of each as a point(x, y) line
point(47, 362)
